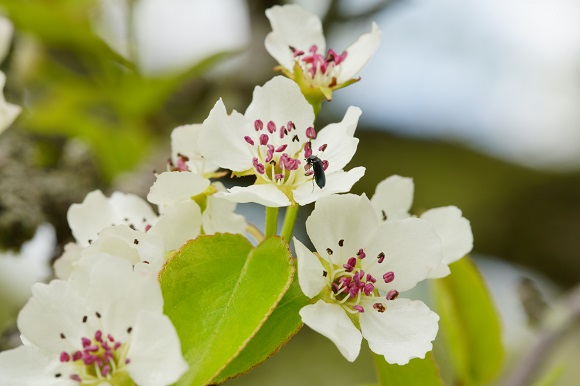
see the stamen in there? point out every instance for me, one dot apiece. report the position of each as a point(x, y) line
point(271, 127)
point(264, 139)
point(258, 166)
point(258, 125)
point(392, 294)
point(329, 251)
point(340, 242)
point(310, 132)
point(307, 149)
point(322, 147)
point(324, 164)
point(361, 254)
point(384, 215)
point(359, 308)
point(249, 140)
point(381, 257)
point(389, 277)
point(281, 148)
point(380, 307)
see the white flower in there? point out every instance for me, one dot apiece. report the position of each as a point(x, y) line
point(358, 259)
point(97, 212)
point(103, 326)
point(392, 201)
point(272, 141)
point(218, 214)
point(125, 225)
point(298, 44)
point(18, 272)
point(185, 152)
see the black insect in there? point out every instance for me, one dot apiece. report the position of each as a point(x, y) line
point(318, 169)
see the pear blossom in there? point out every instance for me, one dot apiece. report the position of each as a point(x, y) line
point(298, 44)
point(272, 141)
point(125, 225)
point(218, 214)
point(392, 201)
point(355, 278)
point(97, 212)
point(185, 152)
point(103, 326)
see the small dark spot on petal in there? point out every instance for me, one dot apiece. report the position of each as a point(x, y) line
point(85, 319)
point(324, 273)
point(129, 330)
point(384, 215)
point(135, 241)
point(98, 315)
point(62, 336)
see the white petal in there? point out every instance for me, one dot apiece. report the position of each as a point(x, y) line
point(179, 223)
point(440, 271)
point(8, 111)
point(155, 351)
point(310, 270)
point(64, 265)
point(172, 187)
point(337, 182)
point(280, 100)
point(53, 309)
point(152, 253)
point(454, 230)
point(292, 26)
point(132, 208)
point(185, 141)
point(331, 321)
point(219, 216)
point(88, 218)
point(394, 197)
point(28, 366)
point(116, 292)
point(264, 194)
point(118, 240)
point(359, 53)
point(403, 332)
point(221, 140)
point(339, 138)
point(346, 217)
point(412, 250)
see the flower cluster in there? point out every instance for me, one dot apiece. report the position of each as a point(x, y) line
point(103, 320)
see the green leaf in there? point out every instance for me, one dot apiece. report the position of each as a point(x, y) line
point(218, 292)
point(277, 331)
point(418, 371)
point(469, 324)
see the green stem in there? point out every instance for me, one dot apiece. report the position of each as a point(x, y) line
point(271, 221)
point(289, 220)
